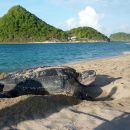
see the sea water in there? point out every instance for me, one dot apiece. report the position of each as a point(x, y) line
point(15, 57)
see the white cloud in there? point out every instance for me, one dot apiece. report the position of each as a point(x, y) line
point(71, 23)
point(87, 17)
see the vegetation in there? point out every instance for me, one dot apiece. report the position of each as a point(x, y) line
point(120, 37)
point(87, 34)
point(20, 25)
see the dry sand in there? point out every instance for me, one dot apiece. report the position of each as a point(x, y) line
point(111, 111)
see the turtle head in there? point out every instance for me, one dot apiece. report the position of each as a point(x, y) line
point(87, 77)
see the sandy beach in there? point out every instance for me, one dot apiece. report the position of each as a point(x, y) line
point(109, 111)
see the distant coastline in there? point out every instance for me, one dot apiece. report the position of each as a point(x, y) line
point(120, 36)
point(90, 41)
point(48, 42)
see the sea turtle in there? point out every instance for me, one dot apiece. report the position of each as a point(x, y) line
point(48, 80)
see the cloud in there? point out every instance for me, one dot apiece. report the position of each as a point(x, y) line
point(86, 17)
point(89, 17)
point(71, 23)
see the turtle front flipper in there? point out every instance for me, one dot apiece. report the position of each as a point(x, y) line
point(6, 95)
point(1, 87)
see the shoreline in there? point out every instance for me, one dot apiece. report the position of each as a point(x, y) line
point(50, 42)
point(97, 59)
point(70, 63)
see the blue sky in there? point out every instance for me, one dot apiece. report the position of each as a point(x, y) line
point(107, 16)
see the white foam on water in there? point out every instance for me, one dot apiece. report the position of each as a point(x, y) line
point(126, 53)
point(127, 43)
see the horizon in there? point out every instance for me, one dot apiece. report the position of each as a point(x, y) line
point(80, 14)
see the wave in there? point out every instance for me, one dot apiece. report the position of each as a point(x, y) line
point(127, 43)
point(126, 52)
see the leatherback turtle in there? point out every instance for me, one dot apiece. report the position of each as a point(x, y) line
point(47, 80)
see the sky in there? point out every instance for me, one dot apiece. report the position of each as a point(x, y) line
point(107, 16)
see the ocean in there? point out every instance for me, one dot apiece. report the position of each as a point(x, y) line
point(14, 57)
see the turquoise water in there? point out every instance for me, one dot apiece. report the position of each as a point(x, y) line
point(22, 56)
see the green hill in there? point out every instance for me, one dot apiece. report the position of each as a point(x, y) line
point(120, 37)
point(20, 25)
point(87, 34)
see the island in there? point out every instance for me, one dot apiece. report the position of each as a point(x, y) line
point(86, 34)
point(121, 36)
point(20, 26)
